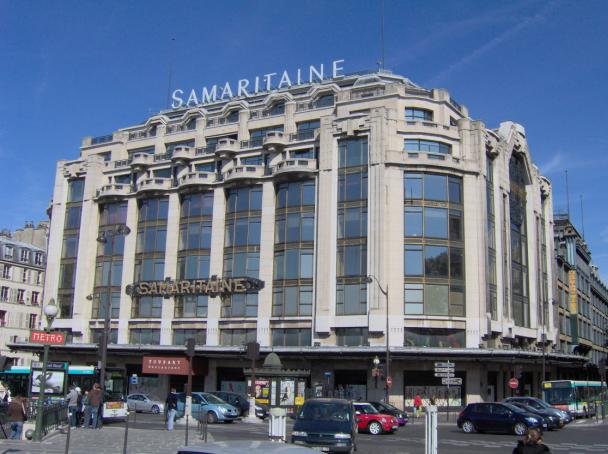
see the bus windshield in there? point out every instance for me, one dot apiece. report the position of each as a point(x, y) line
point(556, 396)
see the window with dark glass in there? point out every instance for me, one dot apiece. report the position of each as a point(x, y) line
point(435, 337)
point(181, 336)
point(326, 100)
point(291, 337)
point(433, 245)
point(237, 336)
point(150, 253)
point(491, 268)
point(144, 336)
point(294, 249)
point(352, 337)
point(519, 243)
point(426, 146)
point(242, 246)
point(351, 286)
point(413, 113)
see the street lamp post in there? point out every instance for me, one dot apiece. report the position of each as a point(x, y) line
point(370, 278)
point(118, 230)
point(50, 312)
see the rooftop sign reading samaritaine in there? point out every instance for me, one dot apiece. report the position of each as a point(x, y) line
point(245, 87)
point(213, 287)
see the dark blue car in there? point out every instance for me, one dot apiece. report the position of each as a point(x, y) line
point(498, 417)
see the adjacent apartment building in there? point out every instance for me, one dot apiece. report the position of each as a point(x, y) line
point(22, 268)
point(328, 221)
point(581, 298)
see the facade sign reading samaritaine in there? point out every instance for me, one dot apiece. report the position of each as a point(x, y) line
point(212, 287)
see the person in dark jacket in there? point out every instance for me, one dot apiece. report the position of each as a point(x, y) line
point(16, 415)
point(171, 408)
point(532, 444)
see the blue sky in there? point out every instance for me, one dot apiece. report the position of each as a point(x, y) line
point(75, 68)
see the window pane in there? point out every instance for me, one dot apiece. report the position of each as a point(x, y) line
point(455, 225)
point(455, 190)
point(456, 263)
point(413, 221)
point(436, 222)
point(435, 299)
point(436, 261)
point(413, 260)
point(435, 187)
point(413, 186)
point(306, 264)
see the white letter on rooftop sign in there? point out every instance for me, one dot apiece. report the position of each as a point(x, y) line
point(268, 78)
point(285, 80)
point(312, 70)
point(192, 99)
point(242, 90)
point(177, 99)
point(209, 96)
point(337, 68)
point(226, 91)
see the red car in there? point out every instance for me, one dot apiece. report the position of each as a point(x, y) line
point(371, 420)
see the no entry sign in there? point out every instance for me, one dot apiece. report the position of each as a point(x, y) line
point(513, 383)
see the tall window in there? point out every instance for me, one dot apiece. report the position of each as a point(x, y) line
point(144, 336)
point(109, 261)
point(294, 249)
point(71, 234)
point(242, 247)
point(150, 253)
point(433, 245)
point(519, 243)
point(491, 240)
point(351, 287)
point(194, 250)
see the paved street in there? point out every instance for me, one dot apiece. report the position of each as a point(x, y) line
point(146, 435)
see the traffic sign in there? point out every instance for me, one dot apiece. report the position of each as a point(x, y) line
point(448, 365)
point(513, 383)
point(444, 369)
point(444, 374)
point(133, 379)
point(389, 381)
point(451, 381)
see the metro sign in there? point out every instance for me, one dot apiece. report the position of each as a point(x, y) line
point(46, 338)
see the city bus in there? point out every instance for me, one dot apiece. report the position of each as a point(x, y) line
point(579, 397)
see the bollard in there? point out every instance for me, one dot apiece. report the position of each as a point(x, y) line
point(277, 426)
point(124, 444)
point(187, 424)
point(430, 430)
point(67, 440)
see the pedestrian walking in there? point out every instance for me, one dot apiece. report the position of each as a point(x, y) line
point(417, 405)
point(171, 408)
point(72, 400)
point(95, 398)
point(16, 415)
point(532, 444)
point(86, 414)
point(5, 394)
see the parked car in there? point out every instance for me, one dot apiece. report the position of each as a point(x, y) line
point(143, 403)
point(498, 417)
point(114, 407)
point(553, 421)
point(326, 425)
point(236, 400)
point(388, 409)
point(206, 405)
point(541, 404)
point(261, 410)
point(371, 420)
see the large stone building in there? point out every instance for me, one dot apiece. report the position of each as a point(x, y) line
point(581, 298)
point(22, 264)
point(375, 212)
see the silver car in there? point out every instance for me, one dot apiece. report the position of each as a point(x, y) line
point(143, 403)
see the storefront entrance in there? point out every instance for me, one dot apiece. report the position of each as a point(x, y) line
point(231, 379)
point(351, 384)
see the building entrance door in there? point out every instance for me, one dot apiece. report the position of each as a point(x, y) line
point(351, 384)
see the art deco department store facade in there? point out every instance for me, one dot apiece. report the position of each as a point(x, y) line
point(310, 190)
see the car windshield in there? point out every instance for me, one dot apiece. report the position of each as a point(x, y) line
point(515, 408)
point(325, 411)
point(212, 399)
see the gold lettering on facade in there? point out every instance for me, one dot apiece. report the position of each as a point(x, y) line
point(239, 285)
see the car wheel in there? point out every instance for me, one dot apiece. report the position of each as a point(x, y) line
point(375, 428)
point(211, 418)
point(520, 429)
point(468, 427)
point(155, 409)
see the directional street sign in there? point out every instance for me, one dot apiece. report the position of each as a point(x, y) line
point(451, 381)
point(444, 374)
point(448, 365)
point(444, 369)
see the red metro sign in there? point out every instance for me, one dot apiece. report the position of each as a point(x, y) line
point(47, 338)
